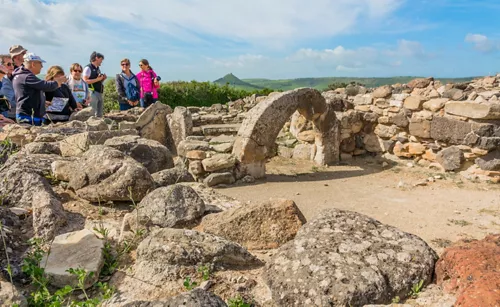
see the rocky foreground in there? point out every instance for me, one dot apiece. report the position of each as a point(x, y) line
point(124, 215)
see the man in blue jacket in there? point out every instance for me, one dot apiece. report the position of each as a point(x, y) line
point(29, 90)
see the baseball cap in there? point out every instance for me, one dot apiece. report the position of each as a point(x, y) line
point(16, 50)
point(28, 57)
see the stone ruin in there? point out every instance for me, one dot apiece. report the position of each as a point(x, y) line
point(153, 157)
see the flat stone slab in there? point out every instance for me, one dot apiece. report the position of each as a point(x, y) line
point(79, 249)
point(218, 129)
point(473, 109)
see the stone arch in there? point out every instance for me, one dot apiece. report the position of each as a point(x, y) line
point(260, 128)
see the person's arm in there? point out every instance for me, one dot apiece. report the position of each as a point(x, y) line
point(156, 83)
point(86, 76)
point(8, 91)
point(46, 86)
point(120, 88)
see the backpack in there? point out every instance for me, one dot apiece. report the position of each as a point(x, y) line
point(131, 90)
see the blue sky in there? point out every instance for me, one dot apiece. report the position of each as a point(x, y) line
point(203, 40)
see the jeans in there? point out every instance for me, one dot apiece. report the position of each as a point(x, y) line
point(97, 103)
point(125, 106)
point(23, 119)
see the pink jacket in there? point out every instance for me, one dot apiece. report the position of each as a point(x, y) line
point(146, 82)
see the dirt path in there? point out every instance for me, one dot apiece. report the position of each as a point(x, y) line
point(442, 212)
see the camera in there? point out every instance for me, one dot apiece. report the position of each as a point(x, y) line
point(157, 78)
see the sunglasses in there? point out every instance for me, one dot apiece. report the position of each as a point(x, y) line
point(125, 64)
point(76, 70)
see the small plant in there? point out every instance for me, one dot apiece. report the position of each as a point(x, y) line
point(462, 223)
point(315, 169)
point(51, 178)
point(205, 272)
point(237, 302)
point(189, 284)
point(396, 300)
point(416, 288)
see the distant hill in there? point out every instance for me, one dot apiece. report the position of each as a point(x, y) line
point(322, 83)
point(232, 80)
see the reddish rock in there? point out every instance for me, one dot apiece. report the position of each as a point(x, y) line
point(471, 269)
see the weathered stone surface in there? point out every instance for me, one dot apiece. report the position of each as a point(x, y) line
point(173, 207)
point(189, 145)
point(166, 253)
point(257, 226)
point(373, 143)
point(414, 103)
point(454, 94)
point(341, 258)
point(307, 136)
point(365, 99)
point(106, 174)
point(96, 124)
point(194, 298)
point(10, 296)
point(180, 123)
point(382, 92)
point(80, 249)
point(17, 134)
point(172, 176)
point(82, 115)
point(420, 83)
point(153, 155)
point(222, 148)
point(77, 144)
point(473, 110)
point(490, 161)
point(303, 152)
point(196, 168)
point(400, 119)
point(451, 158)
point(327, 137)
point(31, 191)
point(435, 104)
point(219, 162)
point(416, 148)
point(420, 127)
point(42, 148)
point(219, 178)
point(386, 132)
point(49, 137)
point(153, 125)
point(454, 131)
point(472, 270)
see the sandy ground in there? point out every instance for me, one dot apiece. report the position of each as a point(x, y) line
point(441, 212)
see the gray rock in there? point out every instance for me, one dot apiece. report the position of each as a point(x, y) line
point(343, 258)
point(172, 176)
point(42, 148)
point(454, 94)
point(188, 145)
point(489, 143)
point(33, 163)
point(106, 174)
point(77, 144)
point(219, 178)
point(153, 125)
point(174, 207)
point(168, 253)
point(193, 298)
point(219, 162)
point(10, 296)
point(450, 158)
point(153, 155)
point(82, 115)
point(76, 250)
point(490, 162)
point(454, 131)
point(181, 124)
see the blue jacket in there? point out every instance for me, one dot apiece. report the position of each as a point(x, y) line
point(7, 90)
point(29, 91)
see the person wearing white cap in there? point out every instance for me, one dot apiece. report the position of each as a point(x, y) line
point(29, 90)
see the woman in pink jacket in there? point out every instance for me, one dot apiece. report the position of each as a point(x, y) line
point(149, 83)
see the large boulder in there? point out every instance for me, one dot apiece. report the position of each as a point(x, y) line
point(171, 176)
point(170, 207)
point(194, 298)
point(74, 250)
point(451, 158)
point(77, 144)
point(382, 92)
point(471, 269)
point(343, 258)
point(168, 253)
point(490, 162)
point(181, 124)
point(153, 125)
point(457, 132)
point(106, 174)
point(473, 110)
point(31, 191)
point(420, 82)
point(11, 296)
point(257, 226)
point(153, 155)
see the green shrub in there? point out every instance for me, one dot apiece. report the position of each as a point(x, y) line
point(182, 93)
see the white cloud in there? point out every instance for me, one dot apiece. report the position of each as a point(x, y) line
point(482, 42)
point(239, 61)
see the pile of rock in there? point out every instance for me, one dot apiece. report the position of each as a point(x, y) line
point(433, 124)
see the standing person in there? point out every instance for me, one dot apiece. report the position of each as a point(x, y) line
point(4, 103)
point(62, 102)
point(29, 90)
point(149, 83)
point(95, 79)
point(7, 90)
point(78, 87)
point(127, 86)
point(17, 53)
